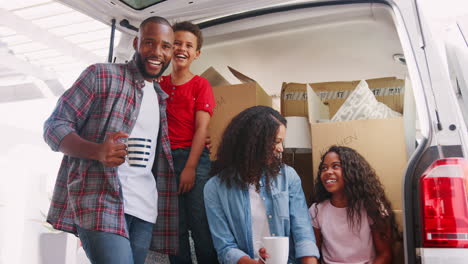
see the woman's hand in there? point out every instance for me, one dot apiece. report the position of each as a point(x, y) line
point(246, 260)
point(263, 255)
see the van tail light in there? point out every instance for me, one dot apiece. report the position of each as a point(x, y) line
point(444, 204)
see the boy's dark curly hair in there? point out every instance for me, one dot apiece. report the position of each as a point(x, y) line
point(192, 28)
point(363, 189)
point(246, 148)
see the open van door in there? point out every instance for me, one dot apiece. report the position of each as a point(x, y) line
point(456, 47)
point(435, 187)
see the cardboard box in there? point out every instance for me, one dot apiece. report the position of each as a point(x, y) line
point(230, 101)
point(389, 91)
point(380, 141)
point(295, 100)
point(214, 77)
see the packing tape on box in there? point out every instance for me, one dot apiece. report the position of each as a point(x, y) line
point(295, 96)
point(386, 91)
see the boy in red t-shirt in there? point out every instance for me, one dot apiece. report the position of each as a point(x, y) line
point(189, 108)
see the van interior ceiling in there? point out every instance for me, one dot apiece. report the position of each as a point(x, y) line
point(320, 44)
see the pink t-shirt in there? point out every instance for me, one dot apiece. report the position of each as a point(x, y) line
point(340, 244)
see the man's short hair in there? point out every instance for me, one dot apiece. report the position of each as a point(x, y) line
point(155, 19)
point(192, 28)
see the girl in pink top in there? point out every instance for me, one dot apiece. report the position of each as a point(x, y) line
point(352, 218)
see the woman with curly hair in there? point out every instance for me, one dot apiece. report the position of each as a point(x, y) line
point(352, 218)
point(253, 195)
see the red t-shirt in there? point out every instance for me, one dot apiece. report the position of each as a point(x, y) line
point(182, 104)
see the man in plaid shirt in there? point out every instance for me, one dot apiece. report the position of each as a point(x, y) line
point(117, 208)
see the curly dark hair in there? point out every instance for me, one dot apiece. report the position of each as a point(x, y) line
point(363, 189)
point(246, 148)
point(192, 28)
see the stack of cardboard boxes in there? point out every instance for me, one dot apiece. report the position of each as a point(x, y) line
point(380, 141)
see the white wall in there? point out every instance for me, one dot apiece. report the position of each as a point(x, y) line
point(28, 172)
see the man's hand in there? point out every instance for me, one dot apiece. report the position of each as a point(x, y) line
point(187, 179)
point(112, 152)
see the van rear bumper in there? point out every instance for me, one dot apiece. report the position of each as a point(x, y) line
point(444, 255)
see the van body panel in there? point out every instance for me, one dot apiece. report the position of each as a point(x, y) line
point(438, 255)
point(440, 85)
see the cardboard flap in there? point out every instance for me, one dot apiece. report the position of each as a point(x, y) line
point(214, 77)
point(316, 109)
point(298, 99)
point(241, 77)
point(230, 101)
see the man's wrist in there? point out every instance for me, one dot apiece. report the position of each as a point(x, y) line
point(75, 146)
point(96, 151)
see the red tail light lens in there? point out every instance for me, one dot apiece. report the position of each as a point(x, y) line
point(444, 204)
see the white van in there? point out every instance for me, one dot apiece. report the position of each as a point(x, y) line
point(323, 41)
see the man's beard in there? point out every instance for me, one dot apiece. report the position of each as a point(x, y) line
point(146, 75)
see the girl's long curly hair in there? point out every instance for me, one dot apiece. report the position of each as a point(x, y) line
point(363, 189)
point(246, 148)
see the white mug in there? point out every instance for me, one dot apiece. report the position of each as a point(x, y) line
point(277, 248)
point(138, 151)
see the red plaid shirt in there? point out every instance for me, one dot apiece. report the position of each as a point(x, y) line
point(106, 98)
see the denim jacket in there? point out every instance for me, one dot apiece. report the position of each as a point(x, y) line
point(229, 217)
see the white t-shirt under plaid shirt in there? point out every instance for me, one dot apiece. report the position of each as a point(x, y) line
point(138, 183)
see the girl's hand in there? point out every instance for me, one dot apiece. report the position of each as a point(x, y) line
point(187, 180)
